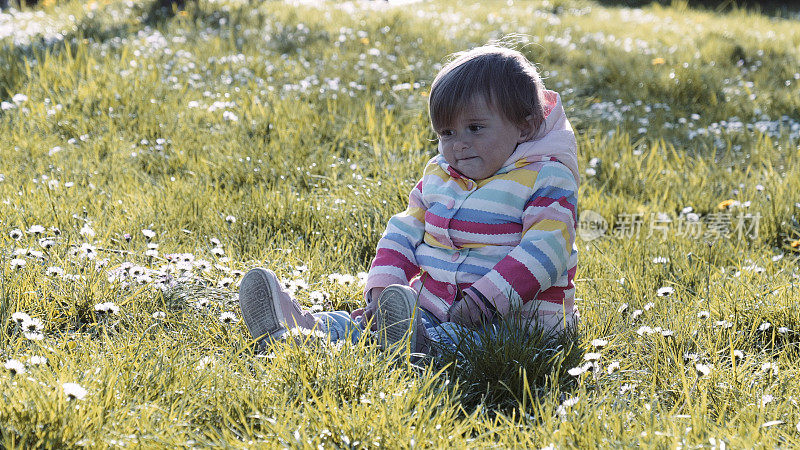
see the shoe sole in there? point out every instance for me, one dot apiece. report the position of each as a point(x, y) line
point(396, 317)
point(260, 311)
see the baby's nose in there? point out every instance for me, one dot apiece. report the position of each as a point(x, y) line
point(461, 144)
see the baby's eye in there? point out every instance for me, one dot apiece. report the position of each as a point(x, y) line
point(475, 128)
point(445, 133)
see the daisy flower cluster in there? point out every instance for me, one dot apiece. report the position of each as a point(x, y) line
point(28, 326)
point(70, 391)
point(320, 298)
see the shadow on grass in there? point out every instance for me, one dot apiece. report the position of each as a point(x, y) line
point(773, 8)
point(510, 365)
point(155, 14)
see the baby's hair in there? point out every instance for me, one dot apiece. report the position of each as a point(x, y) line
point(506, 80)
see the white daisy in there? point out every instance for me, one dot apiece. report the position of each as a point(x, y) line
point(15, 366)
point(770, 367)
point(87, 231)
point(228, 318)
point(594, 356)
point(664, 291)
point(703, 370)
point(47, 243)
point(318, 296)
point(36, 229)
point(107, 308)
point(576, 371)
point(33, 336)
point(17, 263)
point(599, 343)
point(74, 391)
point(572, 401)
point(723, 324)
point(37, 360)
point(31, 325)
point(20, 317)
point(347, 280)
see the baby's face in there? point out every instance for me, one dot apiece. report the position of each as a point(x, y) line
point(480, 140)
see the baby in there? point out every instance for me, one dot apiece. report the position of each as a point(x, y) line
point(489, 231)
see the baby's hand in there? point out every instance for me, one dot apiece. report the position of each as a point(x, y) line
point(466, 312)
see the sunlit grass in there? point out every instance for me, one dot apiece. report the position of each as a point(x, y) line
point(147, 162)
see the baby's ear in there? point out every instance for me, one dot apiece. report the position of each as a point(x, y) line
point(527, 130)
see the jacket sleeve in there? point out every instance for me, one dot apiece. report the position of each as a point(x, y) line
point(543, 254)
point(395, 261)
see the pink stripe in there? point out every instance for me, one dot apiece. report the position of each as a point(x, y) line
point(543, 202)
point(522, 280)
point(435, 220)
point(437, 288)
point(497, 298)
point(485, 228)
point(571, 276)
point(389, 257)
point(554, 295)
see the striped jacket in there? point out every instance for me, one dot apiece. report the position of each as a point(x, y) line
point(508, 240)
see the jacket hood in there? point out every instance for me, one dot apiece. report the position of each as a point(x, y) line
point(554, 139)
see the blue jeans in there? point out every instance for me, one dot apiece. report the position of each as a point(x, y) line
point(339, 325)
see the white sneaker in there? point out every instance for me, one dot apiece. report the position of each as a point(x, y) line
point(397, 316)
point(267, 309)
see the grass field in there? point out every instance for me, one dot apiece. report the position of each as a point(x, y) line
point(147, 160)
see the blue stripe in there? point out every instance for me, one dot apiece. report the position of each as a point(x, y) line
point(442, 189)
point(478, 216)
point(557, 170)
point(552, 241)
point(554, 193)
point(409, 229)
point(473, 269)
point(534, 251)
point(400, 239)
point(429, 261)
point(486, 193)
point(449, 266)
